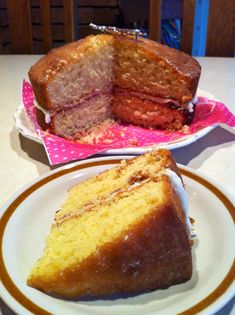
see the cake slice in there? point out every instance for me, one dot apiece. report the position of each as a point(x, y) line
point(133, 239)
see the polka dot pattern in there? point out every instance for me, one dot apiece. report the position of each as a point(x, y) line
point(28, 101)
point(59, 150)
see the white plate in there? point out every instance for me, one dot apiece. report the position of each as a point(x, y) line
point(26, 219)
point(26, 128)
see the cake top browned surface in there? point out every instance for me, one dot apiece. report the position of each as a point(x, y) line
point(181, 61)
point(58, 58)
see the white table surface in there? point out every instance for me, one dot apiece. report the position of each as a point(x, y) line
point(22, 160)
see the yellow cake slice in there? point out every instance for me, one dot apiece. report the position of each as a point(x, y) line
point(128, 233)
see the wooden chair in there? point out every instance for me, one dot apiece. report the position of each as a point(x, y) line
point(219, 36)
point(20, 25)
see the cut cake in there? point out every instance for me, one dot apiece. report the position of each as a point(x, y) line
point(141, 82)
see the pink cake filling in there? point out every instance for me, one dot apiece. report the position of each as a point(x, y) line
point(71, 120)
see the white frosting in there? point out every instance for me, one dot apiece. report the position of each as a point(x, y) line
point(190, 107)
point(179, 189)
point(192, 103)
point(45, 112)
point(47, 118)
point(194, 100)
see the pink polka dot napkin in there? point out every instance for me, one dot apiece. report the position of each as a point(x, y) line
point(59, 150)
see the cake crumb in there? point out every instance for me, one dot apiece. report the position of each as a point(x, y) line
point(96, 134)
point(185, 129)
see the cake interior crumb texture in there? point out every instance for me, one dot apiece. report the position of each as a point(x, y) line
point(101, 186)
point(139, 82)
point(119, 232)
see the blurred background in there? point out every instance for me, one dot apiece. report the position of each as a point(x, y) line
point(198, 27)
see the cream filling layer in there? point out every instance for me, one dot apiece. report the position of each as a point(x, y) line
point(48, 115)
point(45, 112)
point(179, 189)
point(192, 103)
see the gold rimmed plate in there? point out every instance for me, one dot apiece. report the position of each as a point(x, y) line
point(26, 219)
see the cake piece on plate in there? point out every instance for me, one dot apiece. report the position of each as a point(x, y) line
point(126, 230)
point(137, 81)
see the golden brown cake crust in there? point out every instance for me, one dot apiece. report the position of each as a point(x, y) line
point(182, 62)
point(45, 69)
point(153, 254)
point(160, 71)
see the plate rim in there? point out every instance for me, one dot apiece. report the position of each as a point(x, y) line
point(13, 292)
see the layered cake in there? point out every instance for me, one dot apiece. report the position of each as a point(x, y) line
point(125, 230)
point(136, 81)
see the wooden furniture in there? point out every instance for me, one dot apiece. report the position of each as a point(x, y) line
point(220, 32)
point(35, 26)
point(27, 25)
point(155, 19)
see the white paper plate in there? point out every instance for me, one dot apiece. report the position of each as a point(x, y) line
point(26, 128)
point(26, 219)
